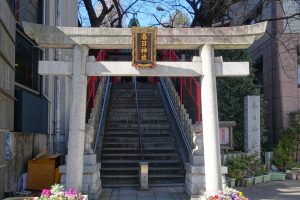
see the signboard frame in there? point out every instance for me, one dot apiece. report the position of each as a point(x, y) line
point(137, 62)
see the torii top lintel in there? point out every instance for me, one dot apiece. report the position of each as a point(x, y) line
point(239, 37)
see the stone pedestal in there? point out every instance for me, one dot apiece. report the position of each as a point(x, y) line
point(195, 180)
point(91, 176)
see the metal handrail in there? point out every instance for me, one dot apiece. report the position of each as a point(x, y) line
point(182, 132)
point(138, 118)
point(101, 114)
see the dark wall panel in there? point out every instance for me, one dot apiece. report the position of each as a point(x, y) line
point(31, 112)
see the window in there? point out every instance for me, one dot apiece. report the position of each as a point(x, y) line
point(27, 57)
point(298, 64)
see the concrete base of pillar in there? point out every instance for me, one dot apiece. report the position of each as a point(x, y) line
point(91, 176)
point(195, 180)
point(197, 160)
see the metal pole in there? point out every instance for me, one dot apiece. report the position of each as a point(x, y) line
point(58, 84)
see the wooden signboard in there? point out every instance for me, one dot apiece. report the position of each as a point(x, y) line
point(144, 47)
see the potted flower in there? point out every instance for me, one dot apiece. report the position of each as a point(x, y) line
point(227, 193)
point(237, 169)
point(57, 192)
point(22, 198)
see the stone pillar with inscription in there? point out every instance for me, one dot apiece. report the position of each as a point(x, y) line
point(252, 124)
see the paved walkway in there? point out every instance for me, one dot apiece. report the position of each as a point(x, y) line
point(275, 190)
point(155, 193)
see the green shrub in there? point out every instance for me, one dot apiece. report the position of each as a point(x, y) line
point(284, 151)
point(246, 165)
point(239, 166)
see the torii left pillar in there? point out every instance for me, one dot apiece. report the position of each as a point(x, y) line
point(75, 157)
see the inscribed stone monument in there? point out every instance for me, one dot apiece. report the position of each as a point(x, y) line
point(252, 124)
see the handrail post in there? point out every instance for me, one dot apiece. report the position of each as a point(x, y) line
point(169, 99)
point(180, 91)
point(138, 118)
point(101, 115)
point(198, 102)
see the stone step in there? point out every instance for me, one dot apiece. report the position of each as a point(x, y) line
point(136, 134)
point(142, 110)
point(148, 130)
point(157, 139)
point(121, 145)
point(133, 116)
point(137, 138)
point(121, 134)
point(130, 121)
point(150, 162)
point(109, 150)
point(120, 176)
point(166, 175)
point(158, 145)
point(121, 139)
point(120, 153)
point(142, 126)
point(137, 156)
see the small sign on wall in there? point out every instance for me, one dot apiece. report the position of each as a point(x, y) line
point(224, 136)
point(144, 47)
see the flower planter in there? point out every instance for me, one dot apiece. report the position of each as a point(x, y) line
point(22, 198)
point(291, 175)
point(247, 181)
point(230, 182)
point(85, 197)
point(258, 179)
point(297, 171)
point(238, 183)
point(277, 176)
point(267, 178)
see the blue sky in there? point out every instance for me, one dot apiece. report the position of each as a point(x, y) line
point(145, 11)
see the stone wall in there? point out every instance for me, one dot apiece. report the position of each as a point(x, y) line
point(7, 78)
point(23, 146)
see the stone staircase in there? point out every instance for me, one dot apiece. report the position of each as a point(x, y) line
point(121, 154)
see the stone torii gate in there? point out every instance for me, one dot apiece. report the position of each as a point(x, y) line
point(207, 67)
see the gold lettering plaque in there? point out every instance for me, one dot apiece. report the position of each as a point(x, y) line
point(144, 47)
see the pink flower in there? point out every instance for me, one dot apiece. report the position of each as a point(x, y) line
point(46, 193)
point(71, 193)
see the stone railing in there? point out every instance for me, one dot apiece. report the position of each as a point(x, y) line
point(181, 111)
point(231, 156)
point(92, 124)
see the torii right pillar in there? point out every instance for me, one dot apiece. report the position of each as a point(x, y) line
point(210, 122)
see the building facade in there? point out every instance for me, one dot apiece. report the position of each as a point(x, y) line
point(276, 59)
point(7, 79)
point(27, 100)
